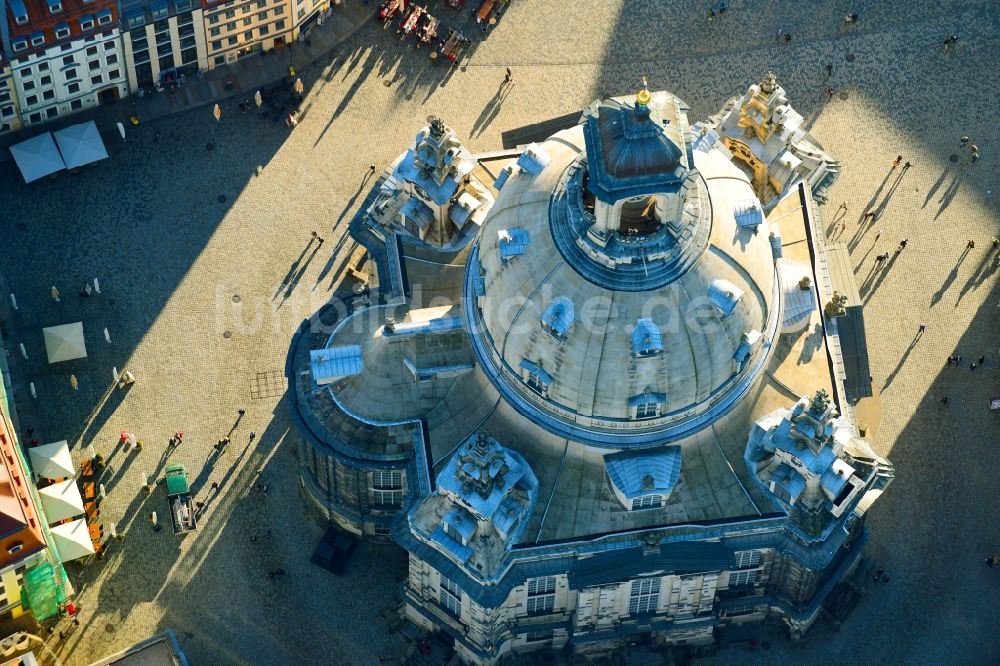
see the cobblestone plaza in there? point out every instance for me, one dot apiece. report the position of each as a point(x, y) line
point(201, 241)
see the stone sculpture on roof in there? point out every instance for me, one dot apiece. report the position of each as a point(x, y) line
point(766, 136)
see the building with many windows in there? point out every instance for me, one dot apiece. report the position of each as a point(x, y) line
point(592, 396)
point(10, 118)
point(236, 28)
point(32, 578)
point(65, 55)
point(164, 41)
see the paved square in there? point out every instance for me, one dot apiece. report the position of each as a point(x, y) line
point(176, 229)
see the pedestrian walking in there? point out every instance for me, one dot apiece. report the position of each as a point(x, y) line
point(921, 328)
point(371, 168)
point(215, 485)
point(902, 245)
point(321, 240)
point(907, 165)
point(829, 93)
point(842, 207)
point(965, 141)
point(509, 77)
point(869, 215)
point(827, 70)
point(315, 235)
point(899, 158)
point(981, 360)
point(86, 291)
point(253, 435)
point(242, 412)
point(55, 295)
point(996, 242)
point(944, 400)
point(971, 245)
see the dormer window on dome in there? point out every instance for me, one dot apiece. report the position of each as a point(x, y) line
point(535, 377)
point(644, 479)
point(725, 296)
point(647, 405)
point(559, 317)
point(646, 339)
point(513, 242)
point(748, 215)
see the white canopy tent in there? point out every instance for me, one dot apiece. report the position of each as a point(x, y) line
point(37, 157)
point(65, 343)
point(80, 144)
point(52, 461)
point(61, 500)
point(72, 540)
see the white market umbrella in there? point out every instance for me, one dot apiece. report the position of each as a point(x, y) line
point(52, 461)
point(61, 501)
point(80, 144)
point(37, 157)
point(72, 540)
point(65, 342)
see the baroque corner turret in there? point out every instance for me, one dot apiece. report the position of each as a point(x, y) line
point(812, 463)
point(432, 192)
point(769, 140)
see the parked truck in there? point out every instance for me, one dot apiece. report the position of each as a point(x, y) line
point(179, 500)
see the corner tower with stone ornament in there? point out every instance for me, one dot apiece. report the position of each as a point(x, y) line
point(769, 139)
point(432, 192)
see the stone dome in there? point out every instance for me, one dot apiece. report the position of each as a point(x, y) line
point(606, 363)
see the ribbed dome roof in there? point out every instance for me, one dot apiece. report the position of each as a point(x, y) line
point(587, 380)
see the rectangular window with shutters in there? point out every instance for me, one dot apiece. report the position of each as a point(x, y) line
point(387, 480)
point(451, 597)
point(745, 577)
point(747, 559)
point(387, 499)
point(541, 595)
point(645, 596)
